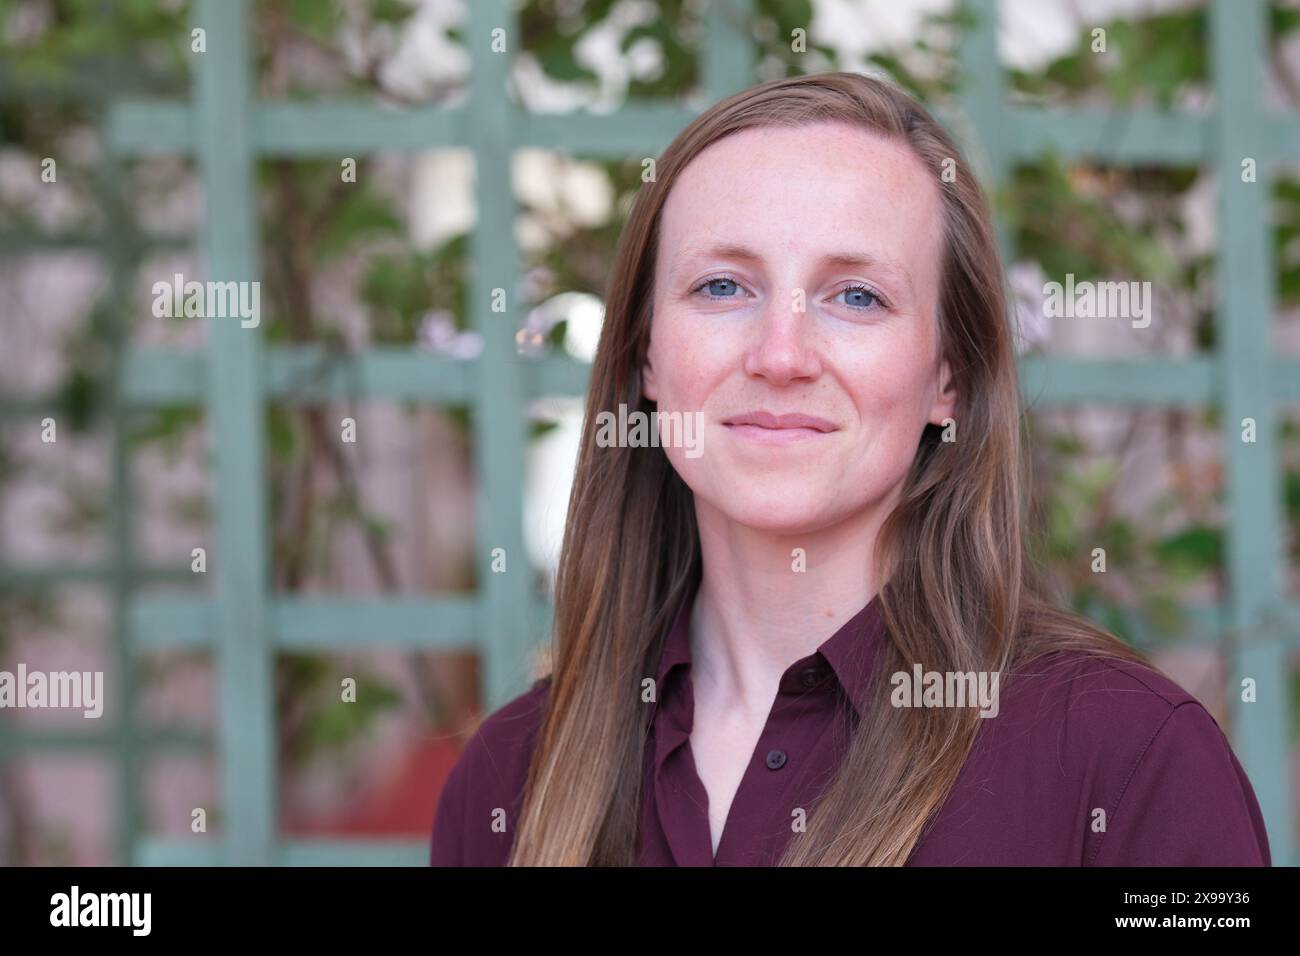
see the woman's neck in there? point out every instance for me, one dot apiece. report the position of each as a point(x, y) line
point(765, 600)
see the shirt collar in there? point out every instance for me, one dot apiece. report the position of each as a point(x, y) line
point(850, 651)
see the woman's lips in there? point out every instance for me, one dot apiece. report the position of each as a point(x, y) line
point(771, 429)
point(775, 436)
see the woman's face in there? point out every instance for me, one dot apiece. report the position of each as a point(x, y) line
point(796, 288)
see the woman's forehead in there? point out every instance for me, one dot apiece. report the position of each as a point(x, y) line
point(825, 154)
point(819, 192)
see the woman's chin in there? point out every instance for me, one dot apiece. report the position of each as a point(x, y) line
point(777, 517)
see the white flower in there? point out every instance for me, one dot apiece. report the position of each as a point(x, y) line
point(1025, 282)
point(438, 332)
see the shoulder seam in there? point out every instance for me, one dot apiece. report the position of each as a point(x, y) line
point(1133, 772)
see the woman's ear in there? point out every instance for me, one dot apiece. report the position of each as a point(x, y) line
point(945, 403)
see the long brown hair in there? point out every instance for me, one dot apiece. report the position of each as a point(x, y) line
point(960, 592)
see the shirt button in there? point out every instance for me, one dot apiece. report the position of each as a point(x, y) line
point(775, 759)
point(811, 676)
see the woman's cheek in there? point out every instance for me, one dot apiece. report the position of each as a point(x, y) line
point(690, 381)
point(888, 422)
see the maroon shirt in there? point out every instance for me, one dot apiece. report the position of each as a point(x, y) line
point(1072, 734)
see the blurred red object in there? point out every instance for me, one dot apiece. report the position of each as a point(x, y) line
point(402, 804)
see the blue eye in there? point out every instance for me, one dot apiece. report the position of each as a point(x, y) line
point(863, 294)
point(717, 280)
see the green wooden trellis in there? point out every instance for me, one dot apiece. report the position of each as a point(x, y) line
point(245, 625)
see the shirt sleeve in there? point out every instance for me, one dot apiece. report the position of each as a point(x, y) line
point(447, 847)
point(485, 787)
point(1188, 802)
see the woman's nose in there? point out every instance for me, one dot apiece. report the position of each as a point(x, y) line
point(783, 350)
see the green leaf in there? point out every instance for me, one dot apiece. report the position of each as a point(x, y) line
point(363, 215)
point(338, 722)
point(1196, 548)
point(320, 19)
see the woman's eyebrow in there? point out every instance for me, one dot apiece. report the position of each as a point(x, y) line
point(743, 253)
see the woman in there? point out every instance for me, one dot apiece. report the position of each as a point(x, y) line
point(817, 640)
